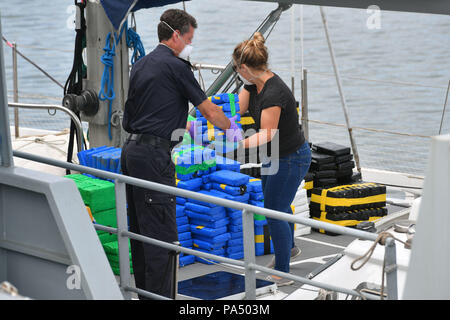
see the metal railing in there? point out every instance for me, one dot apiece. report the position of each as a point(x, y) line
point(72, 115)
point(248, 234)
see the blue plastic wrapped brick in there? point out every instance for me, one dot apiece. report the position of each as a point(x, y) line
point(234, 214)
point(236, 242)
point(184, 228)
point(103, 158)
point(204, 209)
point(216, 239)
point(236, 255)
point(236, 235)
point(181, 201)
point(262, 242)
point(257, 203)
point(208, 204)
point(182, 220)
point(257, 196)
point(85, 156)
point(236, 221)
point(217, 252)
point(197, 243)
point(180, 211)
point(230, 107)
point(240, 198)
point(211, 224)
point(234, 191)
point(220, 98)
point(205, 218)
point(184, 177)
point(184, 236)
point(235, 227)
point(230, 178)
point(191, 185)
point(207, 232)
point(254, 185)
point(186, 243)
point(191, 158)
point(186, 260)
point(223, 163)
point(234, 249)
point(206, 186)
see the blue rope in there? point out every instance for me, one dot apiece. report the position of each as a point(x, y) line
point(108, 78)
point(107, 82)
point(134, 41)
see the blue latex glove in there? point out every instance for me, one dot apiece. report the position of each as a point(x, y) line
point(234, 134)
point(195, 131)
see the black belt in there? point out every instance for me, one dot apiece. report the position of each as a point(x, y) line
point(144, 138)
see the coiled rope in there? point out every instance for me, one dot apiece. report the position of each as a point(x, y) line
point(107, 82)
point(134, 41)
point(381, 239)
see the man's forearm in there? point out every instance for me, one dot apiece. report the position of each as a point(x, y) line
point(214, 115)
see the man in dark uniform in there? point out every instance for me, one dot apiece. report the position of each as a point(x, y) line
point(161, 84)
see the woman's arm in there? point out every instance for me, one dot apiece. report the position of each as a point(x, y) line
point(244, 98)
point(269, 126)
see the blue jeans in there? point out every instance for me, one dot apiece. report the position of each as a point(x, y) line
point(279, 191)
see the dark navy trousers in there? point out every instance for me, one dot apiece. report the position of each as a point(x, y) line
point(152, 214)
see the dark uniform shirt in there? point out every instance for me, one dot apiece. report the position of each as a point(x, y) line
point(161, 84)
point(276, 93)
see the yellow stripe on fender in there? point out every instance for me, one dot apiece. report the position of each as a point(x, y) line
point(309, 185)
point(259, 238)
point(344, 202)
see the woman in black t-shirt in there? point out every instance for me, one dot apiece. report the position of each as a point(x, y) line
point(273, 108)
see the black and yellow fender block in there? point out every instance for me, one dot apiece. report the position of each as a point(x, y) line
point(344, 198)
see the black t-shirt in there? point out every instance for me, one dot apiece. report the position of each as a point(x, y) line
point(161, 84)
point(276, 93)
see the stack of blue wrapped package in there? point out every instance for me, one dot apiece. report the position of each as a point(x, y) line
point(229, 103)
point(232, 185)
point(184, 235)
point(263, 242)
point(103, 158)
point(208, 226)
point(191, 163)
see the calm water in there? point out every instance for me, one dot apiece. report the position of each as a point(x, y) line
point(407, 48)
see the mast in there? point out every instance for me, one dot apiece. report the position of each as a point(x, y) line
point(105, 122)
point(6, 157)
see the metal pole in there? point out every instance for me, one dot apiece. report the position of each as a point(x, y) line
point(305, 123)
point(292, 49)
point(341, 93)
point(391, 269)
point(16, 89)
point(445, 105)
point(6, 152)
point(228, 71)
point(249, 255)
point(301, 40)
point(122, 225)
point(175, 255)
point(71, 114)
